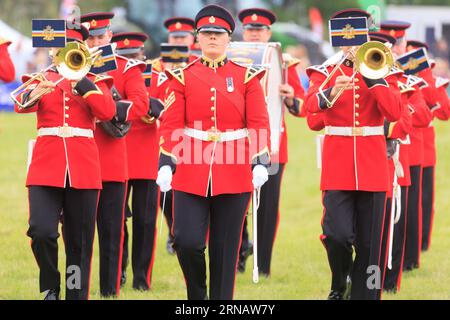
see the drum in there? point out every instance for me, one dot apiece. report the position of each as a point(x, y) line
point(269, 56)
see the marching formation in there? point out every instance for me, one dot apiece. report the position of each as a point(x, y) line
point(200, 135)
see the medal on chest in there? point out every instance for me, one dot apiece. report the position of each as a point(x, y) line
point(230, 85)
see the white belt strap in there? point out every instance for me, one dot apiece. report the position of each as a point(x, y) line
point(216, 136)
point(65, 132)
point(354, 131)
point(396, 205)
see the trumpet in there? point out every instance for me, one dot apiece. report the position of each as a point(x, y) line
point(73, 62)
point(373, 60)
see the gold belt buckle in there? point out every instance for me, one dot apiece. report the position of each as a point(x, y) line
point(65, 132)
point(214, 136)
point(357, 131)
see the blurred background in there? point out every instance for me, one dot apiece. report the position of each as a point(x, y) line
point(302, 26)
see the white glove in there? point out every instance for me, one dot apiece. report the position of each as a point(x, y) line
point(164, 179)
point(260, 176)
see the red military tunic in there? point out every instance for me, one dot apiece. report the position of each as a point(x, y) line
point(208, 96)
point(431, 96)
point(421, 119)
point(130, 85)
point(298, 111)
point(76, 158)
point(143, 138)
point(443, 111)
point(7, 71)
point(400, 130)
point(354, 162)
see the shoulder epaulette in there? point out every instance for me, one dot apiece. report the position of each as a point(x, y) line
point(101, 77)
point(395, 70)
point(162, 77)
point(441, 82)
point(292, 62)
point(252, 72)
point(133, 63)
point(404, 87)
point(414, 80)
point(318, 68)
point(177, 74)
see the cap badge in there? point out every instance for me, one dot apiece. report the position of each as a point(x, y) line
point(254, 17)
point(349, 32)
point(212, 19)
point(49, 33)
point(126, 42)
point(93, 23)
point(178, 25)
point(392, 33)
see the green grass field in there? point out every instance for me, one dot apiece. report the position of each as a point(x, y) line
point(299, 268)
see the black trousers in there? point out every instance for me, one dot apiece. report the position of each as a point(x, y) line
point(144, 210)
point(245, 241)
point(354, 218)
point(78, 208)
point(414, 216)
point(392, 278)
point(223, 216)
point(110, 219)
point(427, 205)
point(268, 217)
point(167, 209)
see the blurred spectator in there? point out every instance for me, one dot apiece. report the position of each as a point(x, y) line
point(441, 50)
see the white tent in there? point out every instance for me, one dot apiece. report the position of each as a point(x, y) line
point(21, 49)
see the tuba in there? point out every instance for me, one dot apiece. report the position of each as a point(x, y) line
point(373, 60)
point(73, 62)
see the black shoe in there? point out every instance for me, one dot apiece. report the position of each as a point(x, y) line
point(52, 294)
point(390, 290)
point(335, 295)
point(348, 289)
point(243, 256)
point(169, 246)
point(410, 266)
point(140, 287)
point(123, 278)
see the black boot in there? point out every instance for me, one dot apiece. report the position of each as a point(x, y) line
point(52, 294)
point(335, 295)
point(169, 245)
point(243, 256)
point(348, 289)
point(123, 278)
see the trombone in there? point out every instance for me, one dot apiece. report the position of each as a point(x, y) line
point(73, 62)
point(373, 60)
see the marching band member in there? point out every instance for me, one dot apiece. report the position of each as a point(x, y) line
point(257, 28)
point(214, 106)
point(7, 70)
point(64, 174)
point(354, 168)
point(438, 105)
point(142, 155)
point(132, 103)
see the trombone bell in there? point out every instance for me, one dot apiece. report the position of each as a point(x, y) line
point(74, 61)
point(374, 60)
